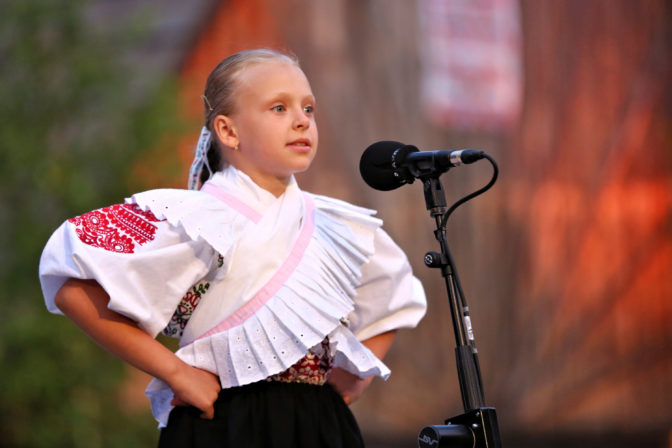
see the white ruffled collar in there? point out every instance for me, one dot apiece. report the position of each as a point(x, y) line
point(239, 184)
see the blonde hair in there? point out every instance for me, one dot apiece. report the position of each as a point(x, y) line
point(219, 95)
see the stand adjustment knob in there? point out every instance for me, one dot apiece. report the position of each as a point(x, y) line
point(435, 259)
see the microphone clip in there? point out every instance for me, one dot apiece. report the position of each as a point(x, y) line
point(403, 171)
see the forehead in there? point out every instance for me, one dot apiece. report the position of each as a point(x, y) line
point(273, 76)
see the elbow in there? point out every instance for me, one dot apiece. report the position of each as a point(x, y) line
point(63, 298)
point(75, 294)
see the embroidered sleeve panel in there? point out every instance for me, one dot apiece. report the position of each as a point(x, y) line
point(117, 228)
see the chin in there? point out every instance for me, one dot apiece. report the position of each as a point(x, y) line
point(301, 167)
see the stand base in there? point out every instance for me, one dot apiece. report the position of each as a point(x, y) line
point(477, 428)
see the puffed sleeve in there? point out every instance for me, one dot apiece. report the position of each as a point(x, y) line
point(143, 263)
point(389, 296)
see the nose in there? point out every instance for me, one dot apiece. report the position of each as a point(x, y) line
point(301, 120)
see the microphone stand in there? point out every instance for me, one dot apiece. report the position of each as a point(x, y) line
point(477, 427)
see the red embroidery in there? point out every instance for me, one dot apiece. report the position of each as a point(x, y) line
point(311, 369)
point(184, 310)
point(116, 228)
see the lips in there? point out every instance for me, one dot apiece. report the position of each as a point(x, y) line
point(301, 144)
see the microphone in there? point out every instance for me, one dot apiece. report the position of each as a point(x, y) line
point(387, 165)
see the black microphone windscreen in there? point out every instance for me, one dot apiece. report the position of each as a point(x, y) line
point(375, 166)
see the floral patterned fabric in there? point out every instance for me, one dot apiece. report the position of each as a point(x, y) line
point(311, 369)
point(184, 310)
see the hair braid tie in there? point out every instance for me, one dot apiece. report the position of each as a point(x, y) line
point(200, 159)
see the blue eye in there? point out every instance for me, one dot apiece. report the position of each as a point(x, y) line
point(309, 109)
point(278, 108)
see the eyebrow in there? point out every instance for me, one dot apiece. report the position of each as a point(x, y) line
point(283, 95)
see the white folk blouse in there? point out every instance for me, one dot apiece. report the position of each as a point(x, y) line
point(248, 281)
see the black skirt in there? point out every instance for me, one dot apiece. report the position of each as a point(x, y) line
point(268, 414)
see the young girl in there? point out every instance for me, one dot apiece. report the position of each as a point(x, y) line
point(284, 301)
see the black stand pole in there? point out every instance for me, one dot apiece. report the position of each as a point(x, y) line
point(477, 427)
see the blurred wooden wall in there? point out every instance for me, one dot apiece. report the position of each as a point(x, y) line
point(589, 201)
point(565, 263)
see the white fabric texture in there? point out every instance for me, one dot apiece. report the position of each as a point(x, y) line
point(293, 269)
point(145, 286)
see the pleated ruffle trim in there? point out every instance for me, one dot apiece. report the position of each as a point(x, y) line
point(312, 304)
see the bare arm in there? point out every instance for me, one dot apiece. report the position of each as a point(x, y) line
point(350, 386)
point(85, 303)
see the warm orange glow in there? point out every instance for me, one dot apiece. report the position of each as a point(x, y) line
point(236, 25)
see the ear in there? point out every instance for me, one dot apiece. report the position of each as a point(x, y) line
point(226, 132)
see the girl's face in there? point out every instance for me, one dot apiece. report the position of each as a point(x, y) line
point(273, 124)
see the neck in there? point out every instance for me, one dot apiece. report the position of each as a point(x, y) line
point(274, 185)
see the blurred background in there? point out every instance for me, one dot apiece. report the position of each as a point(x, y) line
point(566, 263)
